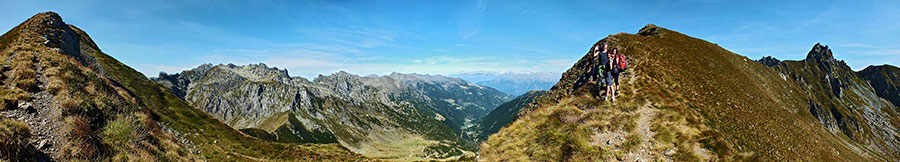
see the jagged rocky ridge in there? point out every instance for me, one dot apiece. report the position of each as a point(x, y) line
point(844, 102)
point(885, 79)
point(377, 116)
point(687, 99)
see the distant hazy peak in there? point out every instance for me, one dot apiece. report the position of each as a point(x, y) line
point(425, 78)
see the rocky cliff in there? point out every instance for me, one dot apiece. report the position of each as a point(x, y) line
point(885, 79)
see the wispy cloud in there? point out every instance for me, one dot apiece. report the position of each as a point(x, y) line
point(861, 45)
point(163, 68)
point(877, 52)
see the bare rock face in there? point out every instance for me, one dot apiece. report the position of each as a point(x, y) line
point(769, 61)
point(885, 79)
point(67, 39)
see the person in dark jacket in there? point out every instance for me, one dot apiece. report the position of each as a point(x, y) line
point(602, 67)
point(613, 73)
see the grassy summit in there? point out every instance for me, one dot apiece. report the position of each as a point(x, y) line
point(683, 98)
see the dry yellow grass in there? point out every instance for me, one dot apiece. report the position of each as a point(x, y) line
point(709, 104)
point(14, 139)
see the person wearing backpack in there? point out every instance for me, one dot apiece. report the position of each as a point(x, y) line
point(619, 65)
point(602, 66)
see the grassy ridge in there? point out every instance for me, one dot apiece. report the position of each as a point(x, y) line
point(702, 95)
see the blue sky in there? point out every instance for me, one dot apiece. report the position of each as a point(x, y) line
point(449, 37)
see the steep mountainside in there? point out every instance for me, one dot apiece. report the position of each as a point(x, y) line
point(461, 102)
point(65, 100)
point(845, 103)
point(502, 115)
point(686, 99)
point(885, 79)
point(375, 116)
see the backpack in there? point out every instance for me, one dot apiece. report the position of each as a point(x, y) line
point(622, 62)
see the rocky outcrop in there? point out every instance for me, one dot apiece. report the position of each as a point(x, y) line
point(49, 30)
point(769, 61)
point(885, 79)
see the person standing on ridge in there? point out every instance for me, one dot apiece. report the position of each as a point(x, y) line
point(602, 72)
point(620, 63)
point(610, 67)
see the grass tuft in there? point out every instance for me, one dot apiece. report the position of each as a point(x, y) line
point(14, 139)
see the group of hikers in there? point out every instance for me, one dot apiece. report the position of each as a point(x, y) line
point(609, 65)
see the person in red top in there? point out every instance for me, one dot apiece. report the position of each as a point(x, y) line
point(619, 63)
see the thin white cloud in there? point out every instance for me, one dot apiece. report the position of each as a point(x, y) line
point(162, 68)
point(856, 45)
point(877, 52)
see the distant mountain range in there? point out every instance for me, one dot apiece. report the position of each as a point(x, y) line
point(389, 117)
point(513, 83)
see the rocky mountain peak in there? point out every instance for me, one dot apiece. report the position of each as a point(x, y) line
point(769, 61)
point(48, 29)
point(820, 52)
point(649, 30)
point(340, 75)
point(49, 19)
point(341, 82)
point(264, 70)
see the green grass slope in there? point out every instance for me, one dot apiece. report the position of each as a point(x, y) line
point(682, 99)
point(503, 115)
